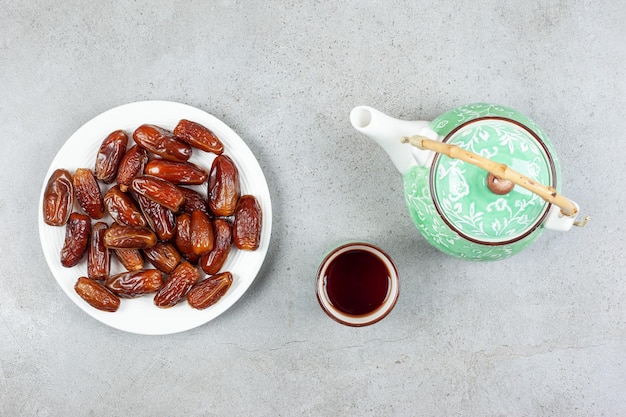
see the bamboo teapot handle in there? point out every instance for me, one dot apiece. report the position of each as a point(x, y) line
point(501, 178)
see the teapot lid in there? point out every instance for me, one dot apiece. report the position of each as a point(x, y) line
point(473, 203)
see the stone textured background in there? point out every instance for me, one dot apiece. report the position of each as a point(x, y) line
point(543, 333)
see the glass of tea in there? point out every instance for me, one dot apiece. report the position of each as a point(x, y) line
point(357, 284)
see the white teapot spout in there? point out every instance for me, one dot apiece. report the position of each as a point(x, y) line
point(388, 132)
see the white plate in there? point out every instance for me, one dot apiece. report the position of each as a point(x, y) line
point(140, 315)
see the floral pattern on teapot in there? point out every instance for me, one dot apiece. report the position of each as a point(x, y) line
point(425, 216)
point(463, 217)
point(461, 190)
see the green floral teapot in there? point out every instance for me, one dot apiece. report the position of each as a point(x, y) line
point(481, 181)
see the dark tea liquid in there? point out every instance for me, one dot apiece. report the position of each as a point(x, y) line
point(357, 282)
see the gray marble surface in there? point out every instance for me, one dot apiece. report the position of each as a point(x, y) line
point(542, 333)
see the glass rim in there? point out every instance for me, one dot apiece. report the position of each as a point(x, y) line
point(363, 319)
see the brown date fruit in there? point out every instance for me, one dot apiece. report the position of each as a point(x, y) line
point(88, 193)
point(58, 198)
point(135, 283)
point(209, 291)
point(122, 208)
point(158, 190)
point(194, 201)
point(176, 172)
point(130, 258)
point(198, 136)
point(162, 142)
point(77, 232)
point(110, 155)
point(98, 256)
point(202, 237)
point(182, 239)
point(247, 224)
point(163, 256)
point(129, 237)
point(223, 190)
point(177, 286)
point(133, 163)
point(160, 219)
point(212, 262)
point(96, 294)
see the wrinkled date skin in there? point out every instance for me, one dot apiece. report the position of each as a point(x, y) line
point(247, 224)
point(88, 193)
point(202, 238)
point(158, 190)
point(110, 155)
point(208, 292)
point(223, 190)
point(98, 256)
point(97, 295)
point(198, 136)
point(136, 283)
point(122, 208)
point(129, 237)
point(58, 198)
point(77, 232)
point(160, 219)
point(212, 262)
point(163, 256)
point(162, 142)
point(177, 286)
point(132, 165)
point(182, 239)
point(130, 258)
point(194, 201)
point(176, 172)
point(157, 215)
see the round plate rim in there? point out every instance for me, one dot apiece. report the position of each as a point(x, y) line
point(137, 113)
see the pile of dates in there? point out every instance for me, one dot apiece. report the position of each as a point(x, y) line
point(156, 218)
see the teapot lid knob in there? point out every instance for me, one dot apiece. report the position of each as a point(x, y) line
point(499, 185)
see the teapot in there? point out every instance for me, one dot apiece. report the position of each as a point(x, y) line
point(481, 182)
